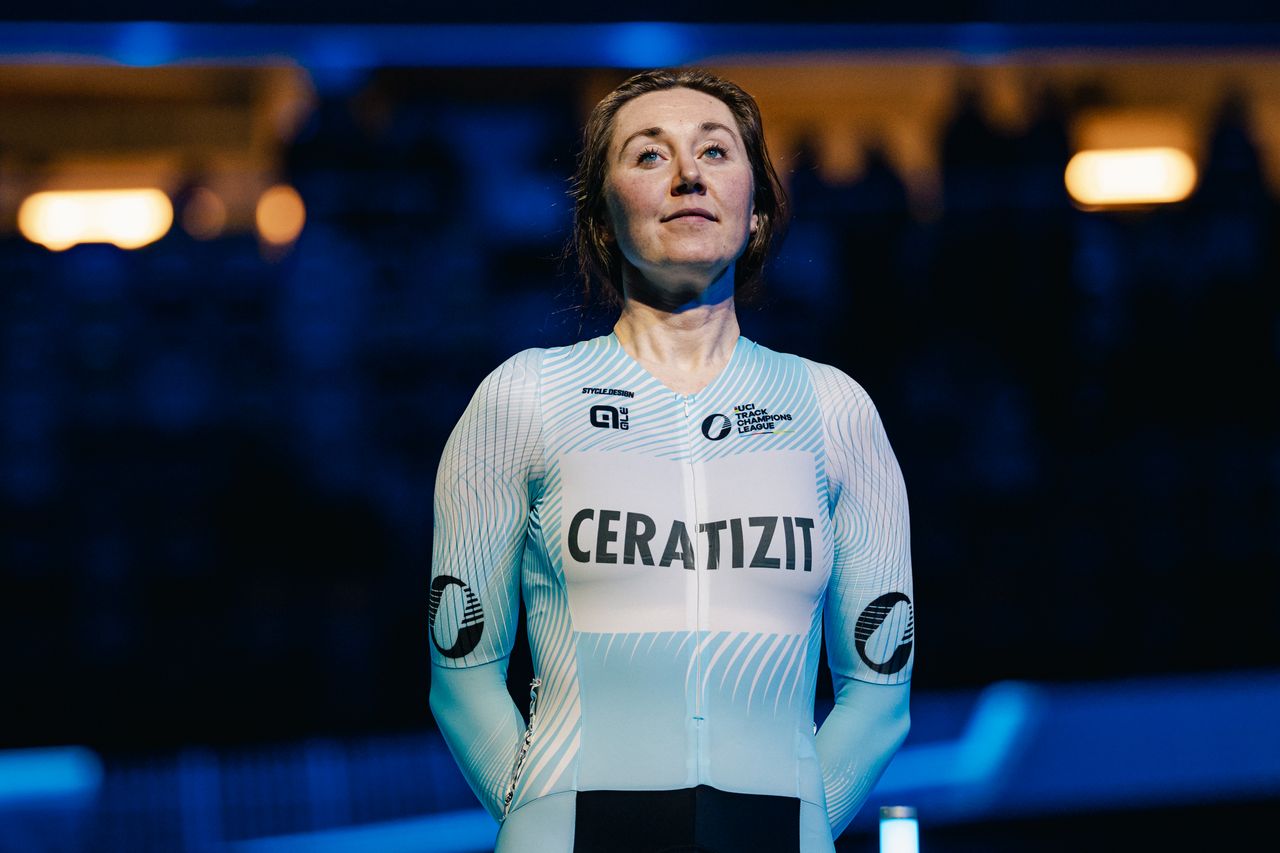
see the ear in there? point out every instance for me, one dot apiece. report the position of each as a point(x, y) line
point(602, 227)
point(755, 222)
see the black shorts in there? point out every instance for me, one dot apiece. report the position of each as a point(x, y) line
point(688, 820)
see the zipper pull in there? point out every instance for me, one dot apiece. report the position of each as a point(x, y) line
point(533, 700)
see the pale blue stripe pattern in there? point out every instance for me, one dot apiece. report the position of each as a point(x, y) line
point(500, 513)
point(872, 528)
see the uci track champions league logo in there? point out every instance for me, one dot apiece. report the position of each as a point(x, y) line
point(469, 628)
point(748, 417)
point(753, 419)
point(716, 427)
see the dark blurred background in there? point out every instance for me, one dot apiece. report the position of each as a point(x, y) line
point(217, 450)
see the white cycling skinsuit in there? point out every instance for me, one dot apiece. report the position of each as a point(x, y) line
point(679, 558)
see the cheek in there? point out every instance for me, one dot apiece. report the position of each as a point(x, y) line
point(743, 195)
point(614, 199)
point(615, 212)
point(626, 206)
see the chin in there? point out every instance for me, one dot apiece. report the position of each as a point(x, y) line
point(706, 257)
point(696, 265)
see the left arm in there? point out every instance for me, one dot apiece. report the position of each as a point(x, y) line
point(869, 619)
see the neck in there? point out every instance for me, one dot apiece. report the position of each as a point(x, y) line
point(690, 331)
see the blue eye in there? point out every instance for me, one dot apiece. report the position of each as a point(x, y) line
point(649, 155)
point(717, 150)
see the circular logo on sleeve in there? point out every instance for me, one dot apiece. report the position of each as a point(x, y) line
point(869, 621)
point(716, 427)
point(472, 624)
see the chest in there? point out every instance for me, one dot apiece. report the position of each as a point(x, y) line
point(665, 512)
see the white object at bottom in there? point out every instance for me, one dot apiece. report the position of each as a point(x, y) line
point(899, 831)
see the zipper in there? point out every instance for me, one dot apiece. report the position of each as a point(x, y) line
point(697, 570)
point(524, 746)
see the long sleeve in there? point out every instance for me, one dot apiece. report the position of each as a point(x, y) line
point(868, 617)
point(489, 475)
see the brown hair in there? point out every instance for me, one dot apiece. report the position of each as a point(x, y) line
point(599, 259)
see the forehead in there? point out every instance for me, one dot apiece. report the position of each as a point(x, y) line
point(672, 110)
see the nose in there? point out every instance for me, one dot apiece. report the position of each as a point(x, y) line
point(688, 179)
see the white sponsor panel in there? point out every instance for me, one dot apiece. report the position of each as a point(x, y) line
point(734, 544)
point(607, 499)
point(771, 486)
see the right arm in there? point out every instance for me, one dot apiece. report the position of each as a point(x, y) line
point(484, 487)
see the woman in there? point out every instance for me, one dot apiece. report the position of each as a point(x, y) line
point(682, 509)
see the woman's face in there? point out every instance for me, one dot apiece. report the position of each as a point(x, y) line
point(679, 186)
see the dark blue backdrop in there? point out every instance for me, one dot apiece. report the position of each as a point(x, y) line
point(216, 469)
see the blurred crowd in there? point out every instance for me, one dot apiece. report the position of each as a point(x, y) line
point(216, 466)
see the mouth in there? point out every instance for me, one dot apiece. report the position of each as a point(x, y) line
point(691, 211)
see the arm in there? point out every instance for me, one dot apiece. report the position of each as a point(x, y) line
point(863, 731)
point(868, 613)
point(481, 725)
point(487, 478)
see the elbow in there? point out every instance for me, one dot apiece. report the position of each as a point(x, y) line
point(433, 698)
point(903, 728)
point(439, 698)
point(900, 720)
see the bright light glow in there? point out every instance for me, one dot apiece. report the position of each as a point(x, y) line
point(280, 215)
point(126, 218)
point(34, 775)
point(205, 214)
point(1126, 176)
point(899, 832)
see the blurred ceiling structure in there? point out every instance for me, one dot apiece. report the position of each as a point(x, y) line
point(90, 127)
point(145, 103)
point(334, 11)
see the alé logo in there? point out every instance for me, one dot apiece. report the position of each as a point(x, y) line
point(610, 417)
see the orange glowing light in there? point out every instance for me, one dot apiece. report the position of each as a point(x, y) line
point(129, 219)
point(1130, 176)
point(205, 214)
point(280, 215)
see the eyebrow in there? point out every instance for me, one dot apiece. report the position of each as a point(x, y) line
point(653, 132)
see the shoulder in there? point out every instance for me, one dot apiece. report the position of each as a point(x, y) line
point(515, 378)
point(518, 380)
point(825, 377)
point(779, 366)
point(850, 419)
point(503, 414)
point(837, 391)
point(570, 357)
point(509, 393)
point(520, 369)
point(839, 395)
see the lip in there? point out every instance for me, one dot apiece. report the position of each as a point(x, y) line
point(691, 211)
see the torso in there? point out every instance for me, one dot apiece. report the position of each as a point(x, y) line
point(679, 548)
